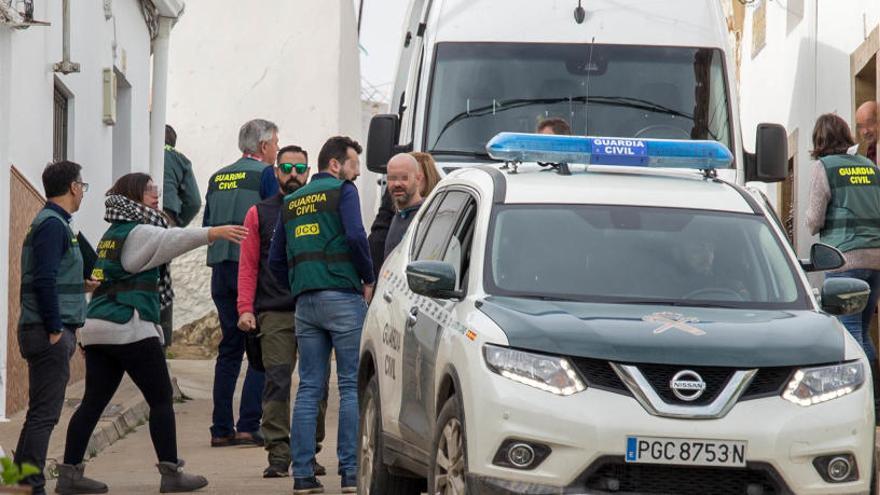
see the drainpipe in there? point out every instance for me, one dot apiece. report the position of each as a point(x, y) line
point(159, 99)
point(66, 66)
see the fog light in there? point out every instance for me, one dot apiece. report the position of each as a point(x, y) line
point(521, 455)
point(839, 469)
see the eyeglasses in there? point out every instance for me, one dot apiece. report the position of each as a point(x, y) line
point(83, 185)
point(288, 167)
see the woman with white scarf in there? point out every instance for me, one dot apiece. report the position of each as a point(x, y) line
point(122, 333)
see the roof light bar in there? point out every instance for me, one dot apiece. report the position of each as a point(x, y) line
point(659, 153)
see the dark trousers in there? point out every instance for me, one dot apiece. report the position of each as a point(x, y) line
point(278, 343)
point(224, 291)
point(166, 320)
point(48, 373)
point(144, 361)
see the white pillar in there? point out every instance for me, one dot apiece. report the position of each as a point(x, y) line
point(159, 99)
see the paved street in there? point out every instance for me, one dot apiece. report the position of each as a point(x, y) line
point(127, 466)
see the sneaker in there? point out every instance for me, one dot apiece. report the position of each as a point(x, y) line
point(349, 483)
point(226, 441)
point(276, 471)
point(252, 439)
point(319, 469)
point(305, 486)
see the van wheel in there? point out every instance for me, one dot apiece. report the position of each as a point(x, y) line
point(373, 476)
point(449, 459)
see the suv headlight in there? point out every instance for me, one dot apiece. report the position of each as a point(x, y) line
point(549, 373)
point(816, 385)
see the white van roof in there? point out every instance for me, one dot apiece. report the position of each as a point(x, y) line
point(690, 23)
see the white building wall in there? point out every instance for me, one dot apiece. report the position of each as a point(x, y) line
point(26, 107)
point(230, 63)
point(800, 75)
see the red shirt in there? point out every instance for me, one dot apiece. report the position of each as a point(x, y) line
point(249, 263)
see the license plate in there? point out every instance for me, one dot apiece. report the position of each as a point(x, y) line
point(683, 451)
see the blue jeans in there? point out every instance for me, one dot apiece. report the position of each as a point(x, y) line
point(224, 291)
point(859, 323)
point(326, 320)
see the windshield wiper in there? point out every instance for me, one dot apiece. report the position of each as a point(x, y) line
point(548, 298)
point(471, 154)
point(622, 101)
point(695, 304)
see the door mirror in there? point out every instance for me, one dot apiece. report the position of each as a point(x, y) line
point(435, 279)
point(769, 163)
point(844, 296)
point(823, 257)
point(382, 141)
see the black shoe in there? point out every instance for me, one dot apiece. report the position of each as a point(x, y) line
point(319, 469)
point(306, 486)
point(276, 471)
point(349, 483)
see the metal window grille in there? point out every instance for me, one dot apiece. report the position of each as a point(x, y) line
point(59, 129)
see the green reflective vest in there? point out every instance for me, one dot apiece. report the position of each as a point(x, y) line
point(122, 292)
point(69, 283)
point(318, 256)
point(852, 220)
point(231, 193)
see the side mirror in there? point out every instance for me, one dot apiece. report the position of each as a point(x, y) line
point(435, 279)
point(823, 257)
point(382, 142)
point(844, 296)
point(769, 163)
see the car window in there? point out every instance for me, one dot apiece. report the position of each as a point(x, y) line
point(425, 221)
point(445, 220)
point(631, 254)
point(458, 251)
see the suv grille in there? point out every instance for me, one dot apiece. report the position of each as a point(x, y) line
point(767, 382)
point(609, 473)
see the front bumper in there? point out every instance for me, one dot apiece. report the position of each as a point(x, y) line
point(586, 433)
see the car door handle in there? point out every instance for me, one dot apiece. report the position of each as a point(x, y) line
point(387, 296)
point(413, 316)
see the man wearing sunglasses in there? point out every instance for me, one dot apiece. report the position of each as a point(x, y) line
point(266, 305)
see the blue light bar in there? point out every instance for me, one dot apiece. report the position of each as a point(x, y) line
point(660, 153)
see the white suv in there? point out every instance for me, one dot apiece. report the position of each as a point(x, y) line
point(605, 329)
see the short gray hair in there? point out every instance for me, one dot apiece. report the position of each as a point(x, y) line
point(253, 133)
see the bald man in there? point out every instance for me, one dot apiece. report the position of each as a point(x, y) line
point(866, 127)
point(405, 185)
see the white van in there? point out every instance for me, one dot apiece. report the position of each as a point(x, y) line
point(469, 69)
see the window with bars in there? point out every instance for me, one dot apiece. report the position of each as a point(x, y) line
point(59, 125)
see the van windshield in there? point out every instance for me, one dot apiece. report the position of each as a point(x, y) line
point(481, 89)
point(638, 255)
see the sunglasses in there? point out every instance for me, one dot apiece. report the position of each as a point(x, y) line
point(288, 167)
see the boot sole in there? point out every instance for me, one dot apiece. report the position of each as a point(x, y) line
point(308, 491)
point(81, 492)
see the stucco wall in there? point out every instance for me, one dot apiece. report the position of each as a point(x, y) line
point(26, 107)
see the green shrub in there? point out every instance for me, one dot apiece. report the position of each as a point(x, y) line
point(13, 473)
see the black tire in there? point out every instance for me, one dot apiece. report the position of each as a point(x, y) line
point(449, 432)
point(373, 475)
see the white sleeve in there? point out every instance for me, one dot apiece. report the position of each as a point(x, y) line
point(148, 246)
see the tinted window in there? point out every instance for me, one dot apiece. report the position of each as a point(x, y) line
point(629, 254)
point(445, 220)
point(481, 89)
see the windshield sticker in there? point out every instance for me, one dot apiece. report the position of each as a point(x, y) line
point(669, 320)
